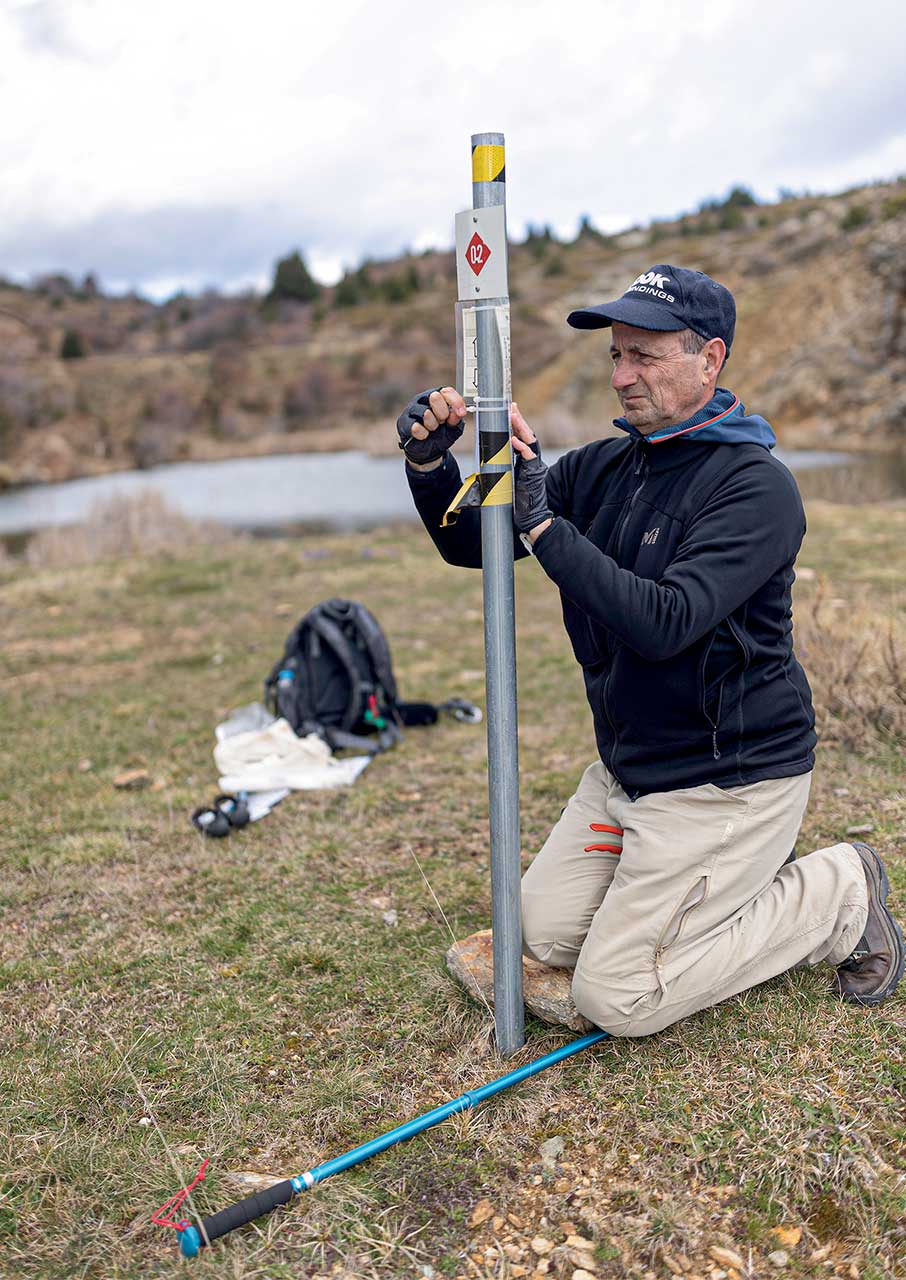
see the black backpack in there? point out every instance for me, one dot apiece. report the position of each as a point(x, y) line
point(336, 679)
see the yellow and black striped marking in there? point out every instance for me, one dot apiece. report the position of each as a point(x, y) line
point(487, 489)
point(493, 447)
point(488, 164)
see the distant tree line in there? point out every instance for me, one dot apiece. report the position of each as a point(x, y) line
point(199, 322)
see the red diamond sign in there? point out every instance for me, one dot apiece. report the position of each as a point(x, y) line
point(477, 253)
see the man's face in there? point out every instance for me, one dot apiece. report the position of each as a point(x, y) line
point(658, 383)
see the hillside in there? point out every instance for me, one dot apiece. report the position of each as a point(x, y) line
point(821, 344)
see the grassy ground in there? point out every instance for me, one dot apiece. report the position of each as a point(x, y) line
point(248, 997)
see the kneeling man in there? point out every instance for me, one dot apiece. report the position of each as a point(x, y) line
point(668, 883)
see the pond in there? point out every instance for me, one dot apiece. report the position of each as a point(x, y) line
point(351, 490)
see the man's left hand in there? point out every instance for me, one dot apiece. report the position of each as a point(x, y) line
point(531, 513)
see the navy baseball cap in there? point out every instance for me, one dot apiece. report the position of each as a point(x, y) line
point(667, 299)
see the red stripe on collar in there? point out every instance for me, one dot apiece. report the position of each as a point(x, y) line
point(698, 426)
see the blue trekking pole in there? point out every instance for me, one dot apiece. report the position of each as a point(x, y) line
point(192, 1238)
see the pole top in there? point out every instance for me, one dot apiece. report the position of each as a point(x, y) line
point(487, 140)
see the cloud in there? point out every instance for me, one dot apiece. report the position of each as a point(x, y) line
point(44, 28)
point(181, 142)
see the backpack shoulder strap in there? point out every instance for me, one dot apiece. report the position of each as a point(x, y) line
point(332, 635)
point(378, 649)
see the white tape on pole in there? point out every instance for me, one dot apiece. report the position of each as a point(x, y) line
point(467, 350)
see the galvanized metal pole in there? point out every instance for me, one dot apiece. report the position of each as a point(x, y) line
point(488, 189)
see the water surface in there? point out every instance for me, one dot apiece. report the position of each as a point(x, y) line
point(350, 490)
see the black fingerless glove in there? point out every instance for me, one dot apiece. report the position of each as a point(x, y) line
point(438, 441)
point(530, 506)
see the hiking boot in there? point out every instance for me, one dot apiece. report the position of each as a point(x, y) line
point(873, 971)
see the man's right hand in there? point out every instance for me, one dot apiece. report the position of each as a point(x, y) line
point(431, 424)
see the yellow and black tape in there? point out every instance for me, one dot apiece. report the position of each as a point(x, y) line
point(488, 164)
point(487, 489)
point(494, 446)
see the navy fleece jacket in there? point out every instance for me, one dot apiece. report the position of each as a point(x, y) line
point(674, 558)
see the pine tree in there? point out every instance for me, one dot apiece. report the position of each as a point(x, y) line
point(72, 347)
point(292, 279)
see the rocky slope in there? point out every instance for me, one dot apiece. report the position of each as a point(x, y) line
point(820, 348)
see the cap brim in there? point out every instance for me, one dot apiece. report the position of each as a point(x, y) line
point(635, 311)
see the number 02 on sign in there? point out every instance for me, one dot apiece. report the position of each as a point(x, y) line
point(477, 254)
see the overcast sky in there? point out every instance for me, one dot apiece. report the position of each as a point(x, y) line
point(188, 143)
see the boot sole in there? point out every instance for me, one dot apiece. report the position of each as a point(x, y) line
point(877, 893)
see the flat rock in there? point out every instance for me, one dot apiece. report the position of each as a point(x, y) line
point(249, 1180)
point(132, 780)
point(546, 991)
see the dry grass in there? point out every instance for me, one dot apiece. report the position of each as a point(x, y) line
point(273, 1019)
point(857, 668)
point(121, 527)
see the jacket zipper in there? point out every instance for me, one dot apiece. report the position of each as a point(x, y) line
point(641, 468)
point(720, 693)
point(715, 723)
point(613, 729)
point(738, 638)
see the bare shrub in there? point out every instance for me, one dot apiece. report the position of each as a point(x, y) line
point(857, 670)
point(154, 443)
point(173, 406)
point(307, 397)
point(387, 396)
point(228, 370)
point(29, 398)
point(877, 479)
point(162, 435)
point(218, 320)
point(118, 528)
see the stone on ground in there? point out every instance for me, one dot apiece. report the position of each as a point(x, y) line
point(546, 991)
point(250, 1180)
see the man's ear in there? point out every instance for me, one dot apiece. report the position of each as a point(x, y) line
point(714, 353)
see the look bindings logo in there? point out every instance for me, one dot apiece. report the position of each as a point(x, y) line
point(654, 284)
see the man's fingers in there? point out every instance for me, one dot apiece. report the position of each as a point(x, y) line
point(430, 420)
point(440, 409)
point(455, 401)
point(447, 406)
point(524, 450)
point(520, 427)
point(418, 432)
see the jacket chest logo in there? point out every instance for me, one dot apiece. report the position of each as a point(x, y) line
point(650, 538)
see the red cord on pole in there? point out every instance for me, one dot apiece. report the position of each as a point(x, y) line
point(164, 1217)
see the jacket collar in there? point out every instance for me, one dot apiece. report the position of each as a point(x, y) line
point(712, 422)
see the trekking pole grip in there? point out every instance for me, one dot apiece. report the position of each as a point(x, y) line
point(237, 1215)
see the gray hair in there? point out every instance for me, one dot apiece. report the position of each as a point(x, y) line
point(692, 342)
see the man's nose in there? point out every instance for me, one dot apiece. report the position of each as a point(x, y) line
point(623, 376)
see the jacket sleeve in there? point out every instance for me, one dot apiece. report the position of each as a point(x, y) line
point(460, 543)
point(743, 533)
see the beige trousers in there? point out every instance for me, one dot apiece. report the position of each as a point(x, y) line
point(696, 906)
